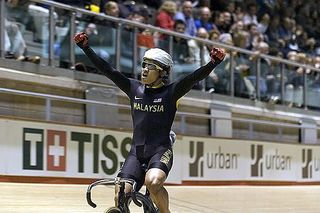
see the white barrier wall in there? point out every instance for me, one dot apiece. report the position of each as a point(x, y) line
point(42, 149)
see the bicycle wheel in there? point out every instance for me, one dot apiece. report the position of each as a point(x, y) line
point(113, 210)
point(147, 203)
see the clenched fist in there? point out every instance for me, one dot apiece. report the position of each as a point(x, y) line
point(81, 40)
point(217, 55)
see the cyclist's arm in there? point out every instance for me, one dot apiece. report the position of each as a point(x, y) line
point(106, 69)
point(185, 84)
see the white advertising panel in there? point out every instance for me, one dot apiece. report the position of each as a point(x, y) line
point(272, 161)
point(212, 159)
point(41, 149)
point(52, 150)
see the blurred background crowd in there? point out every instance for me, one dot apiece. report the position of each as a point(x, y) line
point(286, 29)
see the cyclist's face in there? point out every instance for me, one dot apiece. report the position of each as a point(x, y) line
point(150, 72)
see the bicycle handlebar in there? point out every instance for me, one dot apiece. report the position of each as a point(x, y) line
point(99, 182)
point(115, 181)
point(89, 201)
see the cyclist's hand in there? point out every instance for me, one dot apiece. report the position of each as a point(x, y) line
point(217, 55)
point(81, 39)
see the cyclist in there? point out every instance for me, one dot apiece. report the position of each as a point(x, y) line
point(153, 107)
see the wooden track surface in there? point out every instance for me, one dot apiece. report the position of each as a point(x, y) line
point(65, 198)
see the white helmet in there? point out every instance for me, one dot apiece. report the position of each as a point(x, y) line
point(160, 56)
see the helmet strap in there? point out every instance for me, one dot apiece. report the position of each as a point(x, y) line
point(152, 85)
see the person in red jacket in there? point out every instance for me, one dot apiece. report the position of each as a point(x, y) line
point(165, 15)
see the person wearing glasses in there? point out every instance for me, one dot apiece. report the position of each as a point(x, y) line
point(154, 104)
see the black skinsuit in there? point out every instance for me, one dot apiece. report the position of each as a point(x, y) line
point(153, 111)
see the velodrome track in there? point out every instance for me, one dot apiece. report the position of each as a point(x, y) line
point(67, 198)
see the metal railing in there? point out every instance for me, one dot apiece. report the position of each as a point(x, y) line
point(120, 22)
point(182, 128)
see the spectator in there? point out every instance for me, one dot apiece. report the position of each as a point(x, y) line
point(292, 44)
point(274, 77)
point(204, 20)
point(269, 6)
point(186, 16)
point(111, 8)
point(254, 37)
point(264, 23)
point(124, 10)
point(180, 45)
point(294, 88)
point(250, 16)
point(17, 11)
point(164, 18)
point(231, 8)
point(40, 17)
point(239, 35)
point(197, 49)
point(107, 29)
point(227, 23)
point(218, 80)
point(96, 40)
point(239, 12)
point(316, 79)
point(272, 33)
point(226, 38)
point(218, 20)
point(142, 14)
point(261, 48)
point(15, 45)
point(310, 47)
point(307, 16)
point(181, 58)
point(286, 29)
point(214, 35)
point(144, 39)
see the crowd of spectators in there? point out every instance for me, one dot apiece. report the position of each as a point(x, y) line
point(279, 27)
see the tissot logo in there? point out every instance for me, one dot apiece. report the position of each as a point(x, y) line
point(33, 144)
point(51, 146)
point(196, 159)
point(271, 161)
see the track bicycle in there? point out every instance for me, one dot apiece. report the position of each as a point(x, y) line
point(124, 199)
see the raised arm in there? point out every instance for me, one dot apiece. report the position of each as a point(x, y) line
point(185, 84)
point(82, 40)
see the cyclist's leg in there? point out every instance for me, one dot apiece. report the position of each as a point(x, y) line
point(159, 167)
point(155, 179)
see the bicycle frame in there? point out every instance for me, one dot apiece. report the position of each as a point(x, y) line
point(124, 199)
